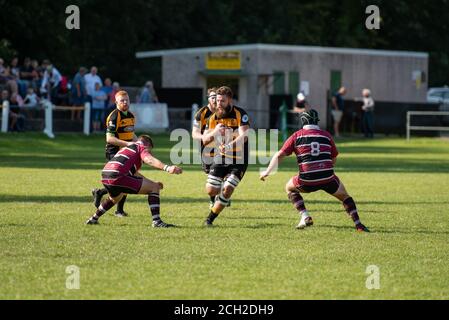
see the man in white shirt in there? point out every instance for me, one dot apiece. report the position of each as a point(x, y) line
point(90, 79)
point(50, 82)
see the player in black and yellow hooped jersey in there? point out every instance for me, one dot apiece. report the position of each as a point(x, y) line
point(119, 133)
point(201, 119)
point(200, 122)
point(227, 131)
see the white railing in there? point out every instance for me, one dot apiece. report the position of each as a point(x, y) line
point(425, 128)
point(49, 108)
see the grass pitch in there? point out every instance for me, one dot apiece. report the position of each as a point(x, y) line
point(254, 252)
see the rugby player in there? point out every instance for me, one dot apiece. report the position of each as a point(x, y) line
point(316, 155)
point(199, 126)
point(119, 133)
point(231, 155)
point(120, 176)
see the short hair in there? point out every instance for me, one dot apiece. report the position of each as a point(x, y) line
point(225, 91)
point(212, 89)
point(146, 139)
point(121, 93)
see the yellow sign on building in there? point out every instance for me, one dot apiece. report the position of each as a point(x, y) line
point(226, 60)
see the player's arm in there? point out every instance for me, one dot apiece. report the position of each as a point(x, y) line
point(150, 160)
point(208, 135)
point(334, 102)
point(241, 138)
point(111, 139)
point(196, 133)
point(274, 162)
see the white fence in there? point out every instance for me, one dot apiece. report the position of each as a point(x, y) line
point(424, 128)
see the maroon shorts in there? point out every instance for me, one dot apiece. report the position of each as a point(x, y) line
point(126, 184)
point(330, 187)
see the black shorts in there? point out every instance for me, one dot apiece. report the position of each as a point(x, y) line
point(206, 167)
point(223, 170)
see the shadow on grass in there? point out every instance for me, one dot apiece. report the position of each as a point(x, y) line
point(375, 163)
point(204, 200)
point(384, 230)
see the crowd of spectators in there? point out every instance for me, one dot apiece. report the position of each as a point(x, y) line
point(27, 85)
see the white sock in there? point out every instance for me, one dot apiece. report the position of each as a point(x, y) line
point(304, 214)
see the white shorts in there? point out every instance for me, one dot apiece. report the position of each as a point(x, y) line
point(337, 114)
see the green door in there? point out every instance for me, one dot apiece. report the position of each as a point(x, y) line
point(278, 82)
point(335, 80)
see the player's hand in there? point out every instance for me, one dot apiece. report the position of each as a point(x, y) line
point(174, 170)
point(160, 185)
point(264, 175)
point(219, 127)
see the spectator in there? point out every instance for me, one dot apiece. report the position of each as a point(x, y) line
point(91, 79)
point(300, 106)
point(107, 89)
point(98, 99)
point(17, 120)
point(79, 94)
point(338, 105)
point(368, 114)
point(6, 78)
point(31, 99)
point(36, 82)
point(15, 72)
point(51, 83)
point(148, 94)
point(26, 72)
point(111, 101)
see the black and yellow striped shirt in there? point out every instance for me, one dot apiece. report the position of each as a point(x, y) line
point(121, 125)
point(236, 118)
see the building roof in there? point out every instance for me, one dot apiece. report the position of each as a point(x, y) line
point(278, 47)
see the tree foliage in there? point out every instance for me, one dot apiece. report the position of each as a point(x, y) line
point(113, 31)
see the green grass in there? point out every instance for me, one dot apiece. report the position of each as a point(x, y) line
point(254, 252)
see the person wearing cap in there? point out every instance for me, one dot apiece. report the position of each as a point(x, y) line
point(300, 106)
point(368, 113)
point(316, 154)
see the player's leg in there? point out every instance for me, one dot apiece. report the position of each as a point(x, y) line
point(97, 194)
point(292, 189)
point(114, 197)
point(233, 175)
point(120, 208)
point(213, 189)
point(206, 170)
point(152, 189)
point(338, 190)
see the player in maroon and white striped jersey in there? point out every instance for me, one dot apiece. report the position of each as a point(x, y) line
point(316, 155)
point(120, 176)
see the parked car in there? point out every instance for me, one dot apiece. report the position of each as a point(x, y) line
point(438, 95)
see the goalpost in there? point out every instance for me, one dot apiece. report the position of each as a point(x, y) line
point(425, 128)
